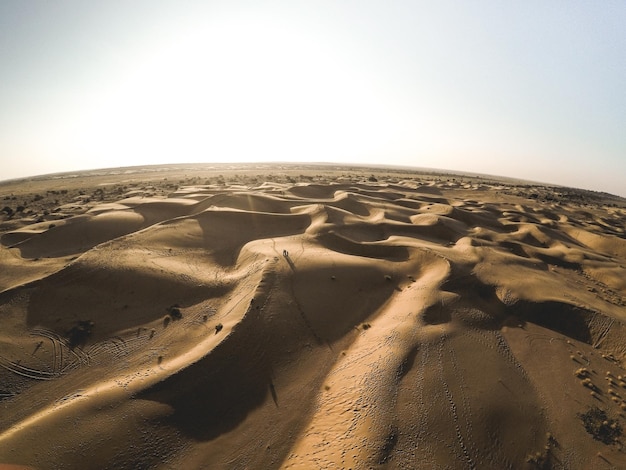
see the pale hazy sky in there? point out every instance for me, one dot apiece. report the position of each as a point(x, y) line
point(533, 89)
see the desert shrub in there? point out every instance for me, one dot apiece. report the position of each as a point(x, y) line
point(581, 373)
point(175, 312)
point(600, 426)
point(537, 460)
point(218, 328)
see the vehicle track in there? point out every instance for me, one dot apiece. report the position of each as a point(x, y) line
point(422, 448)
point(466, 408)
point(462, 453)
point(27, 372)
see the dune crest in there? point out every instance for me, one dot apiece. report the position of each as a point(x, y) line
point(382, 323)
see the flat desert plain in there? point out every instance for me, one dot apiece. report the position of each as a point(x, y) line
point(277, 316)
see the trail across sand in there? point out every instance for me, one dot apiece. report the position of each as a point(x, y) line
point(389, 322)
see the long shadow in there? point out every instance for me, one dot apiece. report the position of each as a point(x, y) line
point(566, 319)
point(214, 395)
point(476, 296)
point(290, 262)
point(273, 392)
point(99, 295)
point(225, 232)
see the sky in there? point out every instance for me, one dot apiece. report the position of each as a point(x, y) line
point(530, 89)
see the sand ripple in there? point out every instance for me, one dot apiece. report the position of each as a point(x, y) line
point(324, 325)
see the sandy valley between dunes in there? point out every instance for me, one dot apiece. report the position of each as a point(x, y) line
point(309, 317)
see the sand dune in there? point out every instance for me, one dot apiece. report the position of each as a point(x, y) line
point(407, 322)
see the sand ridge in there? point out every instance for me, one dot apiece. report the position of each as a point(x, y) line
point(346, 322)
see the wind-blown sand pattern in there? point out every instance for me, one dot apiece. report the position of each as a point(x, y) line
point(408, 322)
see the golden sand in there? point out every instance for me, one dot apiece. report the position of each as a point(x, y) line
point(308, 317)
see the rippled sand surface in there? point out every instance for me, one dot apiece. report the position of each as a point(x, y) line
point(332, 320)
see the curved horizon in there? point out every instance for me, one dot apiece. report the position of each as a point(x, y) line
point(528, 91)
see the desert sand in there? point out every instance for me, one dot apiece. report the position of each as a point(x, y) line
point(305, 317)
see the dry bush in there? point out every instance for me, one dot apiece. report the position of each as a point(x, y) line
point(600, 426)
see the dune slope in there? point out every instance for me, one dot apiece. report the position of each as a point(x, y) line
point(350, 324)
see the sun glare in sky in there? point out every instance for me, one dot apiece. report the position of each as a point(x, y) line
point(242, 90)
point(528, 90)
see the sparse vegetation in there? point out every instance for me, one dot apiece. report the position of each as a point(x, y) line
point(581, 373)
point(543, 459)
point(440, 362)
point(537, 460)
point(600, 426)
point(589, 384)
